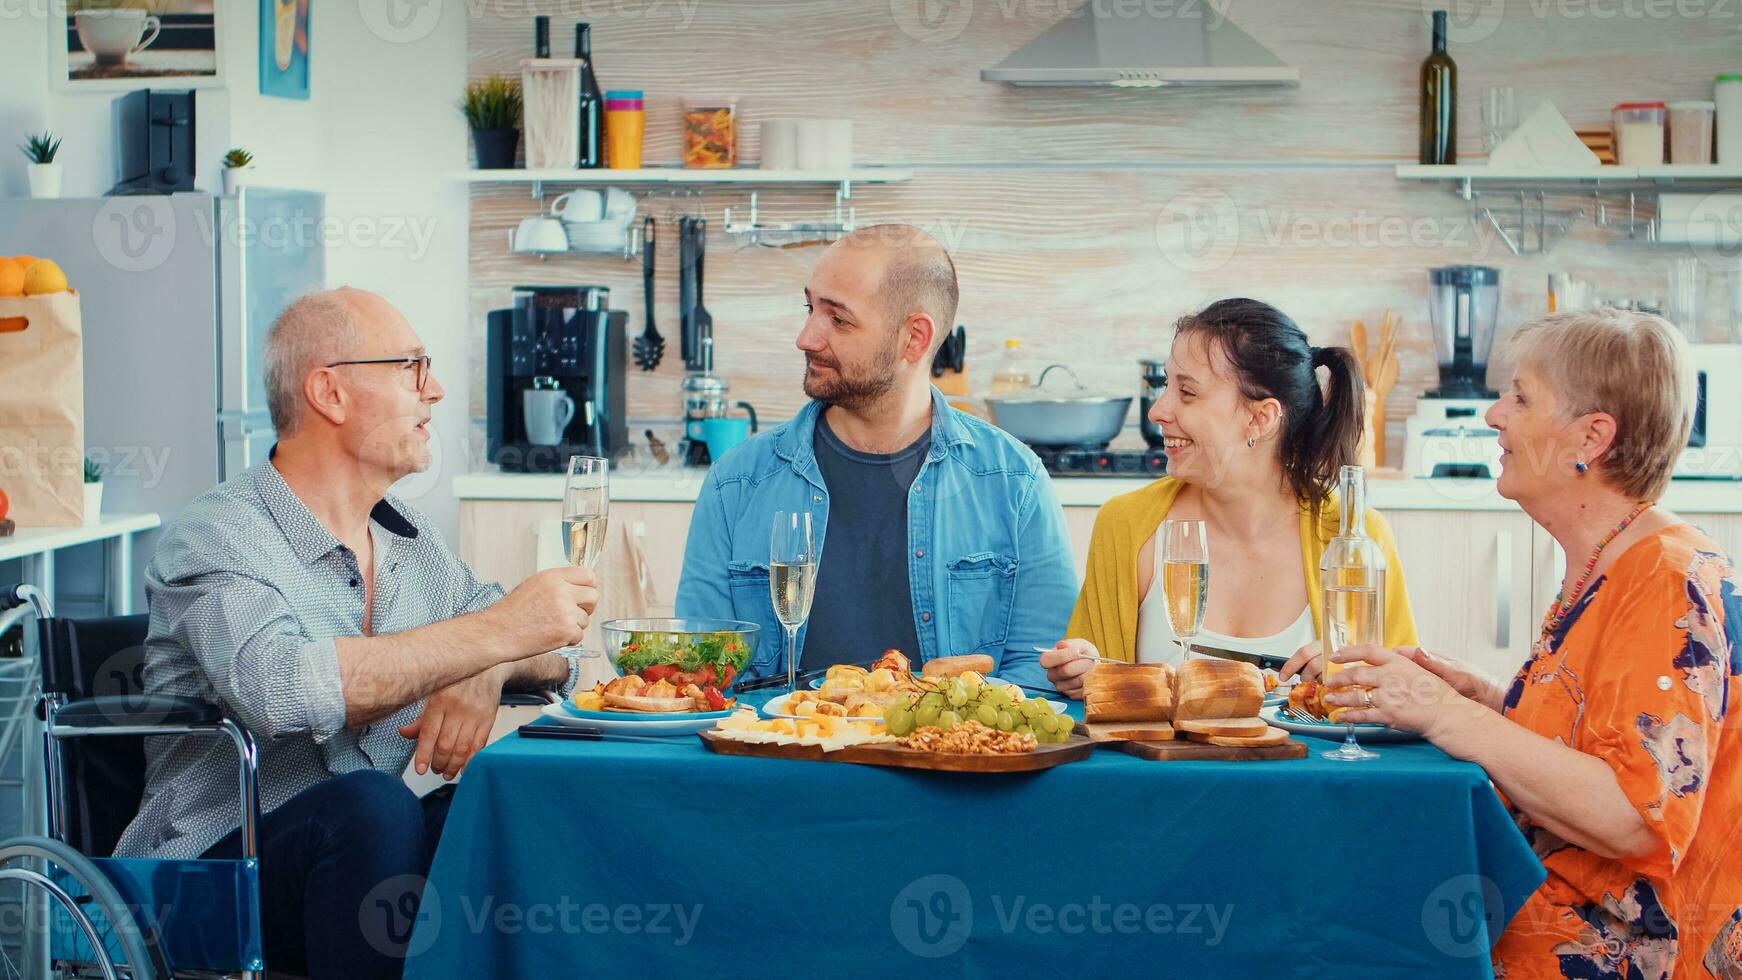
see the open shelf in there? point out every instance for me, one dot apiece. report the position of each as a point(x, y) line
point(1667, 173)
point(843, 180)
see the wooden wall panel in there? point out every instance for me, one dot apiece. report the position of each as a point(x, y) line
point(1085, 221)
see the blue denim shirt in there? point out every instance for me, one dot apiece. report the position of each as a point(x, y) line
point(990, 563)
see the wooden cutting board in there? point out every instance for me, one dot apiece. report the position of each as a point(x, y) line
point(1044, 757)
point(1181, 750)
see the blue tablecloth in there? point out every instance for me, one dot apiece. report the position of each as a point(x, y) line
point(565, 858)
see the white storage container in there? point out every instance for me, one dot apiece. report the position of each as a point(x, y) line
point(1727, 92)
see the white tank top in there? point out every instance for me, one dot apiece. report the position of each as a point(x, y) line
point(1157, 642)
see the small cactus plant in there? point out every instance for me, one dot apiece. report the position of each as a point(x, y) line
point(41, 147)
point(237, 159)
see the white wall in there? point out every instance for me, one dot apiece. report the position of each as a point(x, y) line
point(378, 134)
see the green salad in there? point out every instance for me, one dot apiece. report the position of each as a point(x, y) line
point(689, 652)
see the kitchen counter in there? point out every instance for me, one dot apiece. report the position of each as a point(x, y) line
point(681, 485)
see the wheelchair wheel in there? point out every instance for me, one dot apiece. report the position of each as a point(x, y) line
point(109, 931)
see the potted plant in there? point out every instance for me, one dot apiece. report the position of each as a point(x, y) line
point(93, 492)
point(492, 109)
point(238, 163)
point(40, 150)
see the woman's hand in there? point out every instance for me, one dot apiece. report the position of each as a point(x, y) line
point(1067, 663)
point(1470, 683)
point(1304, 663)
point(1401, 693)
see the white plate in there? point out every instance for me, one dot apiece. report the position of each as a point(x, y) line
point(776, 707)
point(1365, 732)
point(640, 725)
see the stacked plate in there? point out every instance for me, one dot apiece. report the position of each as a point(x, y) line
point(634, 722)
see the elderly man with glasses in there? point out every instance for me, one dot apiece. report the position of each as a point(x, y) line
point(327, 617)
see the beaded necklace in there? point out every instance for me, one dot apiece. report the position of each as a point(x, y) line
point(1565, 601)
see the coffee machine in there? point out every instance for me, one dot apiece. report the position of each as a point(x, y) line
point(554, 375)
point(1447, 435)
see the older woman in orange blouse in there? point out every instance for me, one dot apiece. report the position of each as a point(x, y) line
point(1614, 745)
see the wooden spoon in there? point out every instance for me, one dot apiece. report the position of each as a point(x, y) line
point(1358, 343)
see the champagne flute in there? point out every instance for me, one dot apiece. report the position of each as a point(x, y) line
point(1185, 578)
point(1352, 572)
point(586, 506)
point(792, 579)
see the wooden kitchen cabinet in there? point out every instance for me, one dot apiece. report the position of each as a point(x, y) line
point(1471, 583)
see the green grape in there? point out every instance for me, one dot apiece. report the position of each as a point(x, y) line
point(949, 720)
point(1006, 720)
point(899, 721)
point(1030, 708)
point(926, 715)
point(1024, 730)
point(958, 696)
point(997, 697)
point(986, 715)
point(934, 699)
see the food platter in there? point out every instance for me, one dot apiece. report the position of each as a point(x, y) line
point(1281, 717)
point(1043, 757)
point(634, 723)
point(777, 706)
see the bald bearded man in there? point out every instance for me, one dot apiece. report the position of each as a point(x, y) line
point(327, 617)
point(939, 533)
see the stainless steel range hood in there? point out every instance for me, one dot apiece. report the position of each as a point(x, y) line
point(1096, 45)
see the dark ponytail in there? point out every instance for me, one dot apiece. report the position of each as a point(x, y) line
point(1270, 358)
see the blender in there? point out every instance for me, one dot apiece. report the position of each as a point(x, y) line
point(1447, 437)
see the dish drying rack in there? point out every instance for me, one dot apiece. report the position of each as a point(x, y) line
point(791, 234)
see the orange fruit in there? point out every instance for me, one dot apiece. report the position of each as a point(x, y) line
point(5, 505)
point(11, 279)
point(24, 261)
point(44, 276)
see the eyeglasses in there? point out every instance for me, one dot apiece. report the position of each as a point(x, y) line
point(422, 362)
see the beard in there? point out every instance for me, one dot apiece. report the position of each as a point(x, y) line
point(853, 388)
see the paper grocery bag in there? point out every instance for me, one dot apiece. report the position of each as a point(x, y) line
point(42, 409)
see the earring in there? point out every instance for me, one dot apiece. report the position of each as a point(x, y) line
point(1251, 441)
point(1582, 466)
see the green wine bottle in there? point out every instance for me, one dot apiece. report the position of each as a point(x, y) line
point(1439, 100)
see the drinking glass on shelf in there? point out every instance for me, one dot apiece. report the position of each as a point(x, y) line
point(792, 579)
point(586, 509)
point(1185, 578)
point(1687, 280)
point(1352, 572)
point(1499, 115)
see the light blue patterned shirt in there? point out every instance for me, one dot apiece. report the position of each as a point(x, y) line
point(248, 592)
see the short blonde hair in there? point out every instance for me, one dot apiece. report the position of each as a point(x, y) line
point(1632, 366)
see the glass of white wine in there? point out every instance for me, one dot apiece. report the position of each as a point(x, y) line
point(1185, 578)
point(792, 579)
point(586, 511)
point(1352, 573)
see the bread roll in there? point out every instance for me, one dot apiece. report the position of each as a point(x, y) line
point(1128, 692)
point(956, 666)
point(1209, 689)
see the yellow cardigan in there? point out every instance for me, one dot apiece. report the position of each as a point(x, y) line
point(1106, 611)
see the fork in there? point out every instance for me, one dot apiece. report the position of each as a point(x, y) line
point(1084, 656)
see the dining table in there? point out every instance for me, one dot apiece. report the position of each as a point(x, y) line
point(617, 858)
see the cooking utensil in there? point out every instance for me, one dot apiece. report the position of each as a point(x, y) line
point(650, 346)
point(704, 319)
point(686, 297)
point(1358, 344)
point(1083, 656)
point(654, 445)
point(1040, 418)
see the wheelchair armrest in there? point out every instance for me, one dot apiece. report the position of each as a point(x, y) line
point(95, 714)
point(521, 699)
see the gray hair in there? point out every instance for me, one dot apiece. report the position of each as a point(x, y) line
point(312, 332)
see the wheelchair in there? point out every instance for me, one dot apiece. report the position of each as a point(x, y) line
point(115, 917)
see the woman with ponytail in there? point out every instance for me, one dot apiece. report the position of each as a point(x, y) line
point(1254, 443)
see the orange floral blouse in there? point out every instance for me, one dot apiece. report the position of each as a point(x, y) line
point(1645, 674)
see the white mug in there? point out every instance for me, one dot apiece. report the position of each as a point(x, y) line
point(539, 235)
point(111, 35)
point(581, 205)
point(547, 414)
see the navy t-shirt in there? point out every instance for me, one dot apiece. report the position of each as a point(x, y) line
point(864, 601)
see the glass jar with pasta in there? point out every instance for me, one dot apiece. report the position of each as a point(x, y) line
point(710, 131)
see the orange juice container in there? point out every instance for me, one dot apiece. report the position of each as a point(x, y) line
point(625, 122)
point(710, 131)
